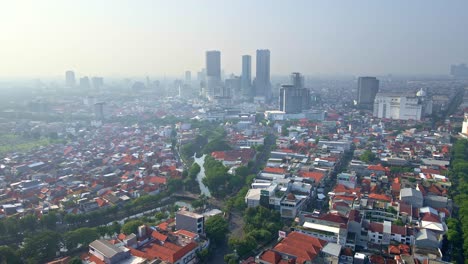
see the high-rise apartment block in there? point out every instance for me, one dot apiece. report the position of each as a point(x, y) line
point(294, 98)
point(85, 83)
point(262, 77)
point(367, 90)
point(246, 77)
point(213, 73)
point(70, 79)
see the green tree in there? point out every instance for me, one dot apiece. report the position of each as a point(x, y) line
point(29, 222)
point(49, 221)
point(194, 170)
point(216, 228)
point(114, 228)
point(367, 156)
point(75, 260)
point(230, 258)
point(244, 245)
point(8, 255)
point(41, 247)
point(160, 215)
point(174, 185)
point(131, 227)
point(81, 236)
point(398, 222)
point(218, 144)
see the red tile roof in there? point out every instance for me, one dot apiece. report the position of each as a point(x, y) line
point(274, 170)
point(380, 197)
point(376, 227)
point(428, 217)
point(378, 167)
point(316, 176)
point(156, 179)
point(186, 233)
point(244, 155)
point(400, 230)
point(169, 251)
point(303, 247)
point(159, 236)
point(270, 257)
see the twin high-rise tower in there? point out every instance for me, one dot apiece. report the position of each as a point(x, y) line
point(260, 89)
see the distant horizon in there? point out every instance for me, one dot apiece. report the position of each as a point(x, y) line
point(61, 78)
point(129, 38)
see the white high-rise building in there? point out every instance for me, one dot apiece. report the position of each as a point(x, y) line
point(397, 106)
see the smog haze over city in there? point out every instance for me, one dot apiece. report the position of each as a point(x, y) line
point(273, 132)
point(139, 38)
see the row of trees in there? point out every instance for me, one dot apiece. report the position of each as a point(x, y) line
point(13, 230)
point(457, 233)
point(44, 245)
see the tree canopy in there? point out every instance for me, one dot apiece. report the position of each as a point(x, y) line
point(131, 227)
point(216, 228)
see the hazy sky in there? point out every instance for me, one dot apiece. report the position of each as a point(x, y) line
point(137, 37)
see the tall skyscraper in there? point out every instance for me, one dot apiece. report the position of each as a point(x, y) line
point(262, 77)
point(84, 83)
point(70, 79)
point(246, 78)
point(297, 80)
point(213, 73)
point(232, 87)
point(367, 90)
point(459, 71)
point(98, 82)
point(188, 77)
point(294, 98)
point(100, 111)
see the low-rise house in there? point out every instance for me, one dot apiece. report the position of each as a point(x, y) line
point(412, 196)
point(330, 227)
point(107, 252)
point(383, 233)
point(295, 248)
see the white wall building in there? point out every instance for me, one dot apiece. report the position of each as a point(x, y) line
point(397, 106)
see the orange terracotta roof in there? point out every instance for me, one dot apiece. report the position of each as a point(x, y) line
point(157, 179)
point(428, 217)
point(302, 246)
point(159, 236)
point(186, 233)
point(380, 197)
point(317, 176)
point(270, 257)
point(378, 167)
point(274, 170)
point(169, 251)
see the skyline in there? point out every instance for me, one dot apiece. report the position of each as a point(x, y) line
point(126, 38)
